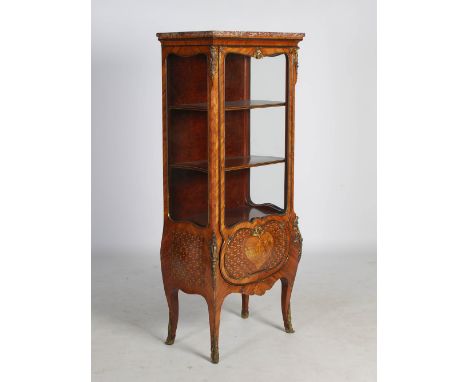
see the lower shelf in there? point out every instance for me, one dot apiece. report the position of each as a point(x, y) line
point(233, 216)
point(231, 163)
point(236, 215)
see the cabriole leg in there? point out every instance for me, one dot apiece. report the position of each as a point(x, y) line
point(214, 310)
point(286, 289)
point(245, 306)
point(173, 303)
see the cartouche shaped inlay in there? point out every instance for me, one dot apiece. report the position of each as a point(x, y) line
point(253, 253)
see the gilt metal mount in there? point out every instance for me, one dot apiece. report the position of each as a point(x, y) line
point(258, 54)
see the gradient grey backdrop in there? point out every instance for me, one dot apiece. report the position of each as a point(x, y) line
point(335, 174)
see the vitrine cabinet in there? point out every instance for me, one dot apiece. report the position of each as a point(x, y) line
point(228, 156)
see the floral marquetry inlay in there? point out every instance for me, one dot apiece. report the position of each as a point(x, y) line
point(256, 250)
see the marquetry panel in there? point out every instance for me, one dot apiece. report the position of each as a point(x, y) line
point(186, 258)
point(255, 251)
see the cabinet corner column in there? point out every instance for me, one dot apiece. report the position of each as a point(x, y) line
point(213, 134)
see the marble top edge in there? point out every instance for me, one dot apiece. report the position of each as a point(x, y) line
point(230, 34)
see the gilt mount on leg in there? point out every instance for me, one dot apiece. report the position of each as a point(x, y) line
point(214, 350)
point(245, 306)
point(288, 324)
point(170, 335)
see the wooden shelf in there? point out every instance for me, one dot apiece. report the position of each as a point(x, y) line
point(239, 163)
point(235, 215)
point(248, 213)
point(199, 219)
point(232, 163)
point(201, 165)
point(231, 105)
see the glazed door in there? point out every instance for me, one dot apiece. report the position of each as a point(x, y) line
point(255, 134)
point(256, 161)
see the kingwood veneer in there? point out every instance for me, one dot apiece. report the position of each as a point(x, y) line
point(216, 241)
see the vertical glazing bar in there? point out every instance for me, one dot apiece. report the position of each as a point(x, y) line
point(221, 136)
point(164, 55)
point(213, 133)
point(291, 79)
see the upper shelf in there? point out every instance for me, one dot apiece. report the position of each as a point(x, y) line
point(231, 105)
point(232, 163)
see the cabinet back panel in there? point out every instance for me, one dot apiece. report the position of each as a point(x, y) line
point(187, 136)
point(237, 77)
point(188, 196)
point(237, 127)
point(237, 195)
point(187, 80)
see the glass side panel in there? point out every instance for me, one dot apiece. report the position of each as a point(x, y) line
point(255, 137)
point(187, 138)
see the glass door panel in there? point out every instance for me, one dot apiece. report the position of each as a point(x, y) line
point(255, 137)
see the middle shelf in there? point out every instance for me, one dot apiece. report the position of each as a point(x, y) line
point(231, 105)
point(232, 163)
